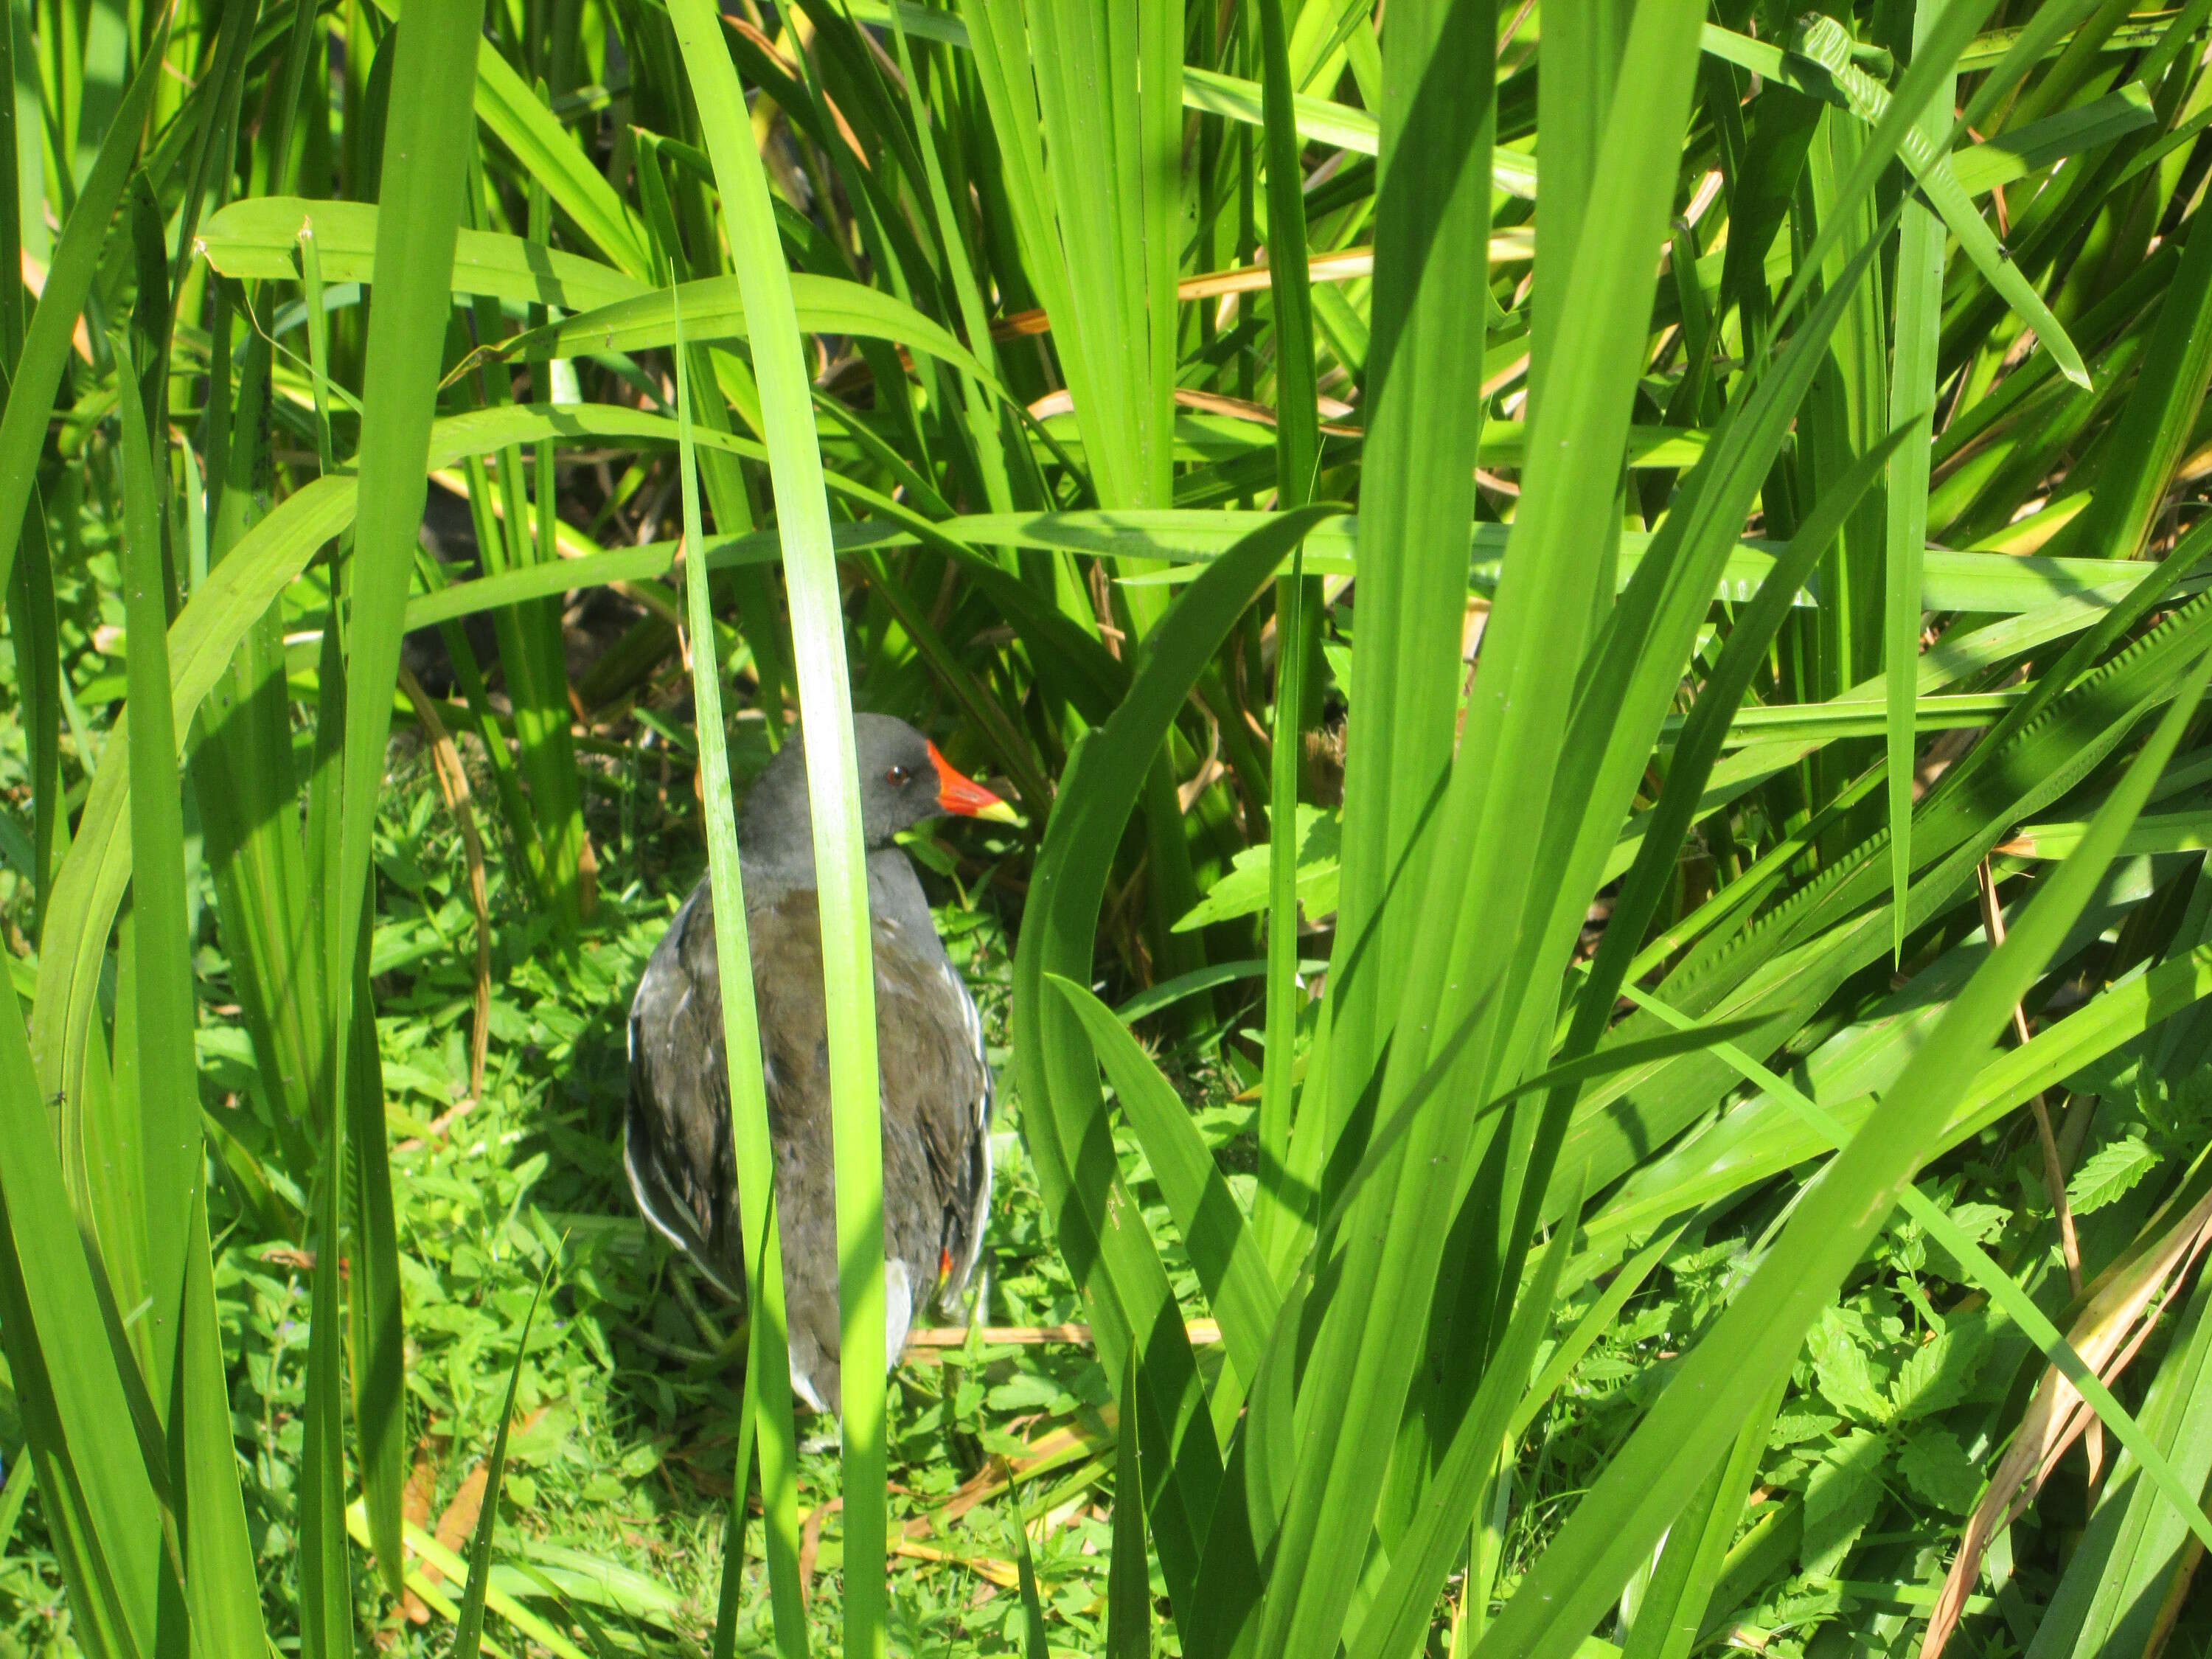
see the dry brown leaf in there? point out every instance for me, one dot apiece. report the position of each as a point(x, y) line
point(415, 1511)
point(2123, 1305)
point(459, 1520)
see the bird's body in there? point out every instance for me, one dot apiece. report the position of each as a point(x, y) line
point(936, 1078)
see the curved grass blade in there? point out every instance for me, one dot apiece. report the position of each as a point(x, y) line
point(1213, 1227)
point(1116, 1268)
point(101, 1512)
point(713, 310)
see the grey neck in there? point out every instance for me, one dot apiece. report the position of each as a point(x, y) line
point(775, 838)
point(894, 892)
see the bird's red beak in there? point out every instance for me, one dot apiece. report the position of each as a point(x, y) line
point(965, 798)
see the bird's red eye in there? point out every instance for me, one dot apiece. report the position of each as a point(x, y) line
point(899, 776)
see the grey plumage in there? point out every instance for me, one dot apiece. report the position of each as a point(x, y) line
point(937, 1082)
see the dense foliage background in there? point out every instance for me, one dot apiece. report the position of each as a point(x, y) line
point(1595, 610)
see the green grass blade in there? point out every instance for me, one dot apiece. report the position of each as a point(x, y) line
point(1117, 1268)
point(168, 1086)
point(99, 1503)
point(1221, 1245)
point(1297, 447)
point(426, 136)
point(1916, 304)
point(225, 1591)
point(468, 1628)
point(1576, 71)
point(1129, 1576)
point(1034, 1643)
point(77, 258)
point(34, 623)
point(325, 1566)
point(826, 704)
point(1397, 1624)
point(734, 1528)
point(1758, 1337)
point(1431, 230)
point(1104, 186)
point(1672, 1612)
point(376, 1348)
point(1635, 671)
point(767, 1378)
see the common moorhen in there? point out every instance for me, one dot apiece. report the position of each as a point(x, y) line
point(937, 1086)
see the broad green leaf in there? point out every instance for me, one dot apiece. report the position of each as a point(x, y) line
point(1248, 886)
point(1939, 1472)
point(2108, 1174)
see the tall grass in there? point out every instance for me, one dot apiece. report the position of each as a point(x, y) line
point(1614, 525)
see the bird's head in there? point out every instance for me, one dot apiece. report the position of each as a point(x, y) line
point(904, 780)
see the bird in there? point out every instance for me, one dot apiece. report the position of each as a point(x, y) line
point(937, 1086)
